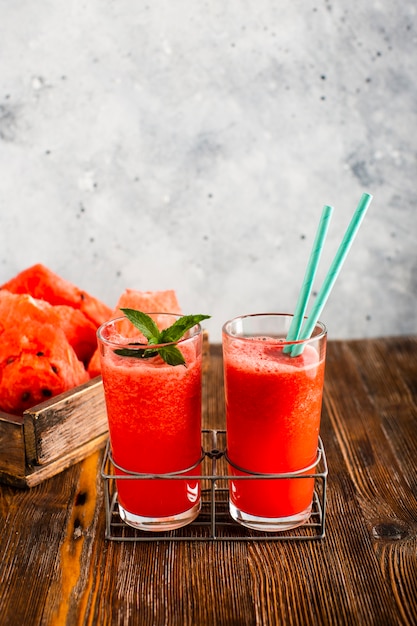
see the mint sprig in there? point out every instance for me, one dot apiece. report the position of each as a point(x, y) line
point(169, 353)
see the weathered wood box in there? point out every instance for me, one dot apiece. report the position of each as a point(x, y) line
point(52, 436)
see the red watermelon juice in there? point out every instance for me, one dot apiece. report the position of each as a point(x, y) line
point(154, 416)
point(273, 408)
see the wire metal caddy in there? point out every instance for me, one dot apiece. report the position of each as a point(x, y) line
point(214, 522)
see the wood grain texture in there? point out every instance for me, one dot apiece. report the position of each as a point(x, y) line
point(12, 445)
point(65, 422)
point(53, 435)
point(57, 568)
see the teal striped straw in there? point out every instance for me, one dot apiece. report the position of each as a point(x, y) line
point(300, 309)
point(333, 272)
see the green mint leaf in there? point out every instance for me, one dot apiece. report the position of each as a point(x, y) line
point(169, 353)
point(136, 354)
point(180, 327)
point(172, 355)
point(144, 323)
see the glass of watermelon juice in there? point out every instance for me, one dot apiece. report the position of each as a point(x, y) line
point(273, 408)
point(154, 417)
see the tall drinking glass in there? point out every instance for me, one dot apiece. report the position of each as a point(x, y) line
point(154, 417)
point(273, 408)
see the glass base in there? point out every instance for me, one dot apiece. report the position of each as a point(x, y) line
point(160, 524)
point(269, 524)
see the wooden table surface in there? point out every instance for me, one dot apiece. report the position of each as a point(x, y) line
point(58, 568)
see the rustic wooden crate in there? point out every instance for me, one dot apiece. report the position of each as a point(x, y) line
point(54, 435)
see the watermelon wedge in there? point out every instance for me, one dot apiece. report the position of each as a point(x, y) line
point(23, 308)
point(146, 301)
point(79, 331)
point(43, 284)
point(36, 363)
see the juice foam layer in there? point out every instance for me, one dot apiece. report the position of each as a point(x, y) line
point(266, 355)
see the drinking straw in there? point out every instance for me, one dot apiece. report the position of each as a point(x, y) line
point(333, 272)
point(297, 320)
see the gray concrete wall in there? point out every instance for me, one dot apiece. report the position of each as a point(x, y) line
point(192, 145)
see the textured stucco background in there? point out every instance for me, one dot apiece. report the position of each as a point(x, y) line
point(192, 145)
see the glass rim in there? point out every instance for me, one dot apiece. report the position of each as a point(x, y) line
point(144, 346)
point(319, 324)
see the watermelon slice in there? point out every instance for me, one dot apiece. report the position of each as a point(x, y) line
point(79, 331)
point(36, 363)
point(148, 302)
point(16, 308)
point(145, 301)
point(22, 308)
point(41, 283)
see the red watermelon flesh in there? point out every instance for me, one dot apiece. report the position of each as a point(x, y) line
point(14, 308)
point(148, 302)
point(79, 330)
point(40, 282)
point(21, 308)
point(36, 363)
point(145, 301)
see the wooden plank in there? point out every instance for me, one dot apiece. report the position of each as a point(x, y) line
point(36, 474)
point(62, 424)
point(12, 446)
point(361, 573)
point(206, 352)
point(373, 461)
point(38, 527)
point(372, 409)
